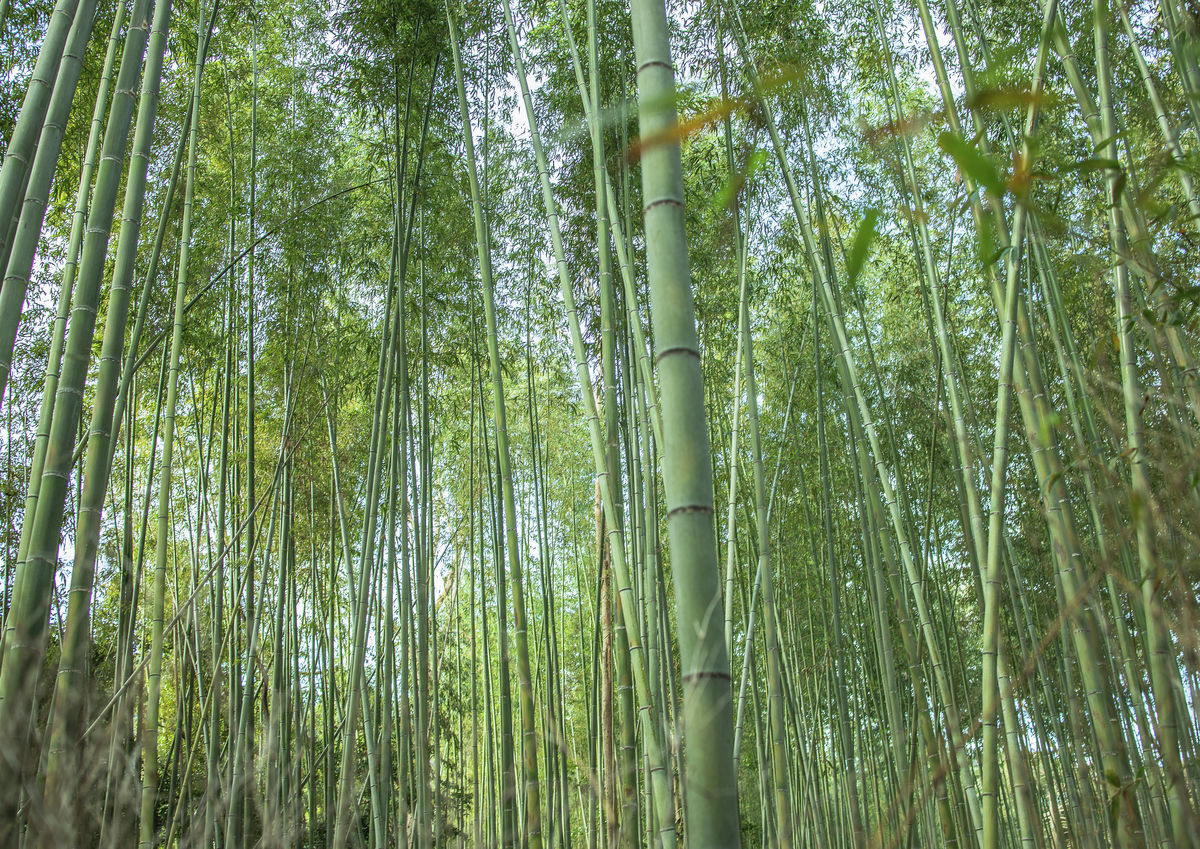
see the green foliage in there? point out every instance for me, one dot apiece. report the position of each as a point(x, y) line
point(907, 204)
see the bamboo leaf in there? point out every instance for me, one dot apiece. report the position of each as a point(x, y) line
point(861, 246)
point(1095, 164)
point(980, 168)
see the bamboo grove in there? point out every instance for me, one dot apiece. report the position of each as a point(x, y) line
point(571, 424)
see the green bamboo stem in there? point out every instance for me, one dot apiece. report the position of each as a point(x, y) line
point(26, 624)
point(69, 687)
point(1161, 653)
point(532, 798)
point(710, 809)
point(663, 797)
point(19, 157)
point(779, 748)
point(150, 780)
point(67, 287)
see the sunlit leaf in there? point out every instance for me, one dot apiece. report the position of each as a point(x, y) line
point(861, 246)
point(981, 169)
